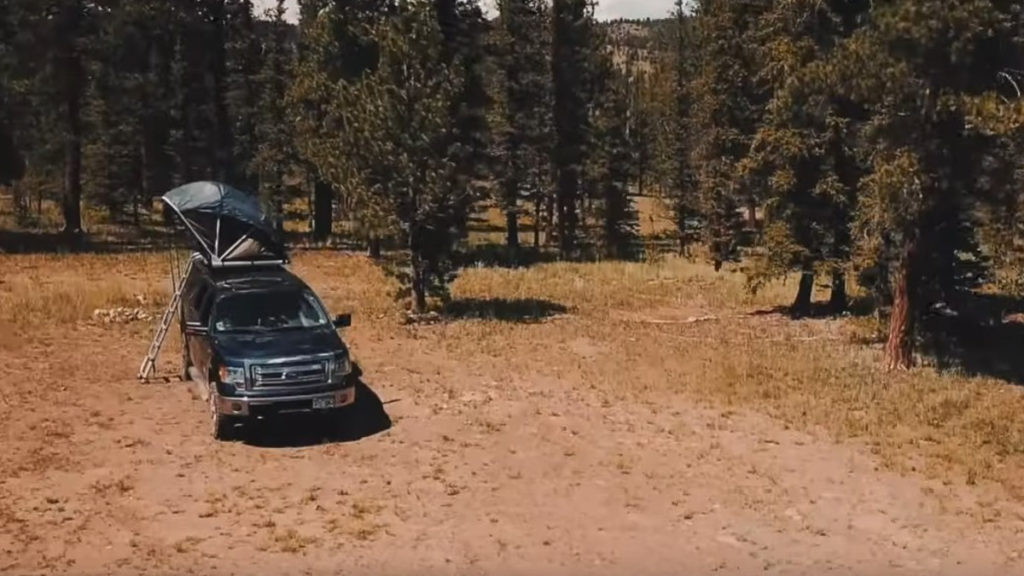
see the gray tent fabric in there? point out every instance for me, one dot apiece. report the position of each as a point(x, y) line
point(221, 200)
point(228, 224)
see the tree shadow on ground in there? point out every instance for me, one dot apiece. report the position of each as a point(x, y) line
point(857, 307)
point(364, 418)
point(525, 310)
point(494, 255)
point(47, 242)
point(984, 337)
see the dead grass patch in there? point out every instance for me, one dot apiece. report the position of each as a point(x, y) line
point(362, 522)
point(291, 541)
point(113, 486)
point(52, 290)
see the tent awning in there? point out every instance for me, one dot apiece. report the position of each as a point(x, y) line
point(227, 225)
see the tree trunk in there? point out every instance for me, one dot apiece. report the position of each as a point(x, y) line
point(323, 207)
point(279, 217)
point(71, 65)
point(373, 248)
point(419, 288)
point(549, 220)
point(536, 223)
point(838, 302)
point(899, 349)
point(802, 304)
point(22, 204)
point(512, 235)
point(752, 214)
point(563, 216)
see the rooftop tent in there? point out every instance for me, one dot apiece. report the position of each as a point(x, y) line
point(228, 225)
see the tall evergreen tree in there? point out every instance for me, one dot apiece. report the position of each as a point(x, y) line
point(571, 53)
point(614, 146)
point(928, 71)
point(463, 28)
point(193, 138)
point(118, 105)
point(336, 46)
point(526, 82)
point(218, 20)
point(675, 155)
point(241, 95)
point(275, 155)
point(397, 122)
point(804, 148)
point(12, 163)
point(725, 110)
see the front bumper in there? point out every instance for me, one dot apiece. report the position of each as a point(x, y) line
point(246, 406)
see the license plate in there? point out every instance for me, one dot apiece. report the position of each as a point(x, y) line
point(323, 403)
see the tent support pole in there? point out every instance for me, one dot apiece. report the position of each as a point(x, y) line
point(190, 227)
point(239, 242)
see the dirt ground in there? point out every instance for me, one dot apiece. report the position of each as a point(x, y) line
point(572, 444)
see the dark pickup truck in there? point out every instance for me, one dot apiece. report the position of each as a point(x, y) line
point(259, 341)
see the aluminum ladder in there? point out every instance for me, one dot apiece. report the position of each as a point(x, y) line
point(148, 367)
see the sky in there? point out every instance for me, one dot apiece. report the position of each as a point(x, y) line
point(605, 9)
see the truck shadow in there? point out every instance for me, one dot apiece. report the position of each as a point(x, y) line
point(366, 417)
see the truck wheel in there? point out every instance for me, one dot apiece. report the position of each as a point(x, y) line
point(186, 363)
point(222, 427)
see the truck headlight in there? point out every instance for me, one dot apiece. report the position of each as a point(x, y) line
point(232, 375)
point(338, 368)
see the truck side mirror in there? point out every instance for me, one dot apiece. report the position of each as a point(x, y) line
point(343, 321)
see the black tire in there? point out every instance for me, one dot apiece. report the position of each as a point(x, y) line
point(222, 426)
point(186, 361)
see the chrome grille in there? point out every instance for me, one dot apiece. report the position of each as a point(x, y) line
point(271, 375)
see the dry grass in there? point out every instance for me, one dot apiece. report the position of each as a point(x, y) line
point(57, 289)
point(644, 330)
point(291, 541)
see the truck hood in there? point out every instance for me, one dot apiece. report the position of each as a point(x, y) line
point(242, 347)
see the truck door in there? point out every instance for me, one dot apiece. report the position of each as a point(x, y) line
point(202, 348)
point(193, 326)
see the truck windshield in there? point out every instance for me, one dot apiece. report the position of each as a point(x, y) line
point(263, 311)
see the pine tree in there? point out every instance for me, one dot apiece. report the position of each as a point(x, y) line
point(803, 149)
point(527, 96)
point(571, 53)
point(676, 146)
point(397, 117)
point(193, 138)
point(725, 111)
point(615, 144)
point(217, 19)
point(275, 155)
point(716, 109)
point(34, 101)
point(70, 29)
point(242, 96)
point(160, 29)
point(643, 115)
point(116, 111)
point(463, 28)
point(335, 47)
point(928, 71)
point(12, 163)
